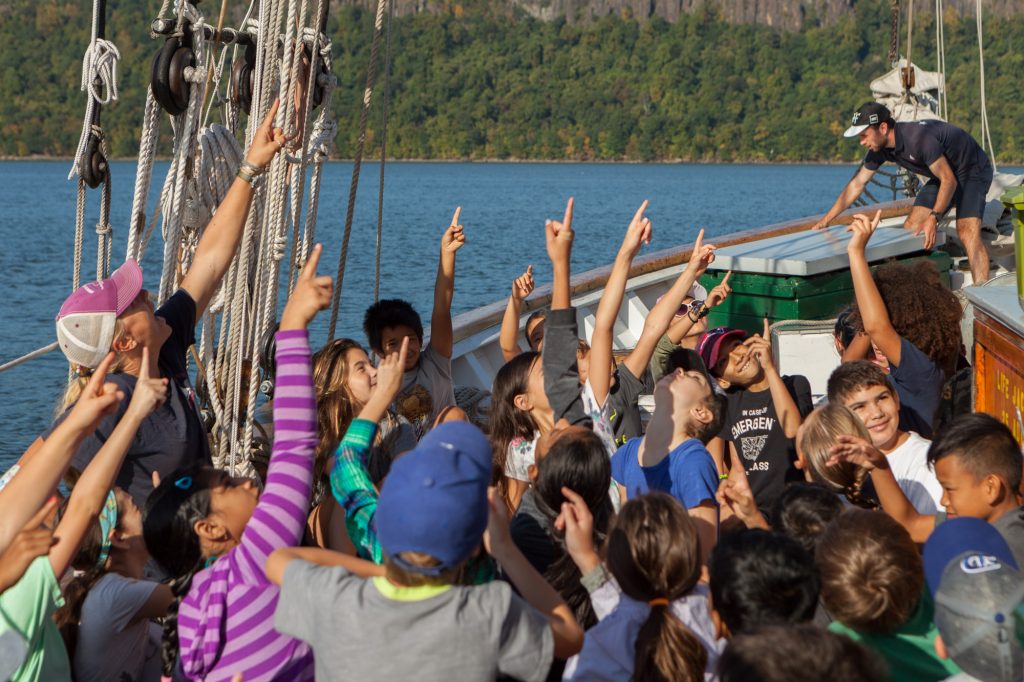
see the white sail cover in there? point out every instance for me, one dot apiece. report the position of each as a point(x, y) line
point(920, 104)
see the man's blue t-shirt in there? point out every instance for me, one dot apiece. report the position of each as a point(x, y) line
point(688, 473)
point(919, 383)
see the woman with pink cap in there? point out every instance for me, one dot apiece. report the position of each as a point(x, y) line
point(117, 314)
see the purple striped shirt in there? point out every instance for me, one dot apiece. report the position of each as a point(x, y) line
point(226, 622)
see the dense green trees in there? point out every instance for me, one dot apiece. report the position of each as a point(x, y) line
point(481, 81)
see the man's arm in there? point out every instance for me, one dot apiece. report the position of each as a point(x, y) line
point(508, 339)
point(941, 169)
point(444, 288)
point(853, 189)
point(220, 240)
point(873, 313)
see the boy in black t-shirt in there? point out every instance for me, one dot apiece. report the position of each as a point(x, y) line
point(764, 411)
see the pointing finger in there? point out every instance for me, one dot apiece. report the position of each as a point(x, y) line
point(529, 270)
point(725, 279)
point(99, 375)
point(567, 220)
point(640, 211)
point(144, 370)
point(309, 269)
point(455, 218)
point(271, 113)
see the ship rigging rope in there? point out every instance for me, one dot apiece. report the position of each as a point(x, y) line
point(383, 152)
point(357, 162)
point(986, 132)
point(940, 53)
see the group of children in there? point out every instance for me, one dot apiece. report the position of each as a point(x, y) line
point(740, 534)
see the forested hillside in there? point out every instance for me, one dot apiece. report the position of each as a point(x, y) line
point(483, 80)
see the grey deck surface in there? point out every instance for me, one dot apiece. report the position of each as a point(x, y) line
point(812, 253)
point(999, 302)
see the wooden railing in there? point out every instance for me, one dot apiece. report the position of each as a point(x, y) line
point(487, 316)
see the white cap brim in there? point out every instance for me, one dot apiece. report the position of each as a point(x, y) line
point(854, 131)
point(698, 292)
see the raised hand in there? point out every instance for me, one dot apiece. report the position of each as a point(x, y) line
point(268, 140)
point(31, 542)
point(577, 524)
point(454, 238)
point(523, 285)
point(637, 234)
point(559, 236)
point(312, 294)
point(862, 227)
point(856, 450)
point(761, 347)
point(149, 393)
point(701, 257)
point(497, 536)
point(734, 493)
point(721, 292)
point(390, 372)
point(99, 399)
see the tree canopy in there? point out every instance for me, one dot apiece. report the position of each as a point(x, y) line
point(481, 81)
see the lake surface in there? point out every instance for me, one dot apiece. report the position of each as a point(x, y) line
point(504, 206)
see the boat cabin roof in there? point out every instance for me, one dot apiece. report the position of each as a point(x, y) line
point(808, 253)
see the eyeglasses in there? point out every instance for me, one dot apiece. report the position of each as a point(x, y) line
point(685, 308)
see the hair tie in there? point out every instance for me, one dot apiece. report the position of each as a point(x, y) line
point(658, 601)
point(183, 483)
point(108, 522)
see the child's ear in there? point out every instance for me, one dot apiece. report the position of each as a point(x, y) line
point(522, 402)
point(723, 383)
point(995, 489)
point(125, 343)
point(702, 414)
point(210, 531)
point(118, 540)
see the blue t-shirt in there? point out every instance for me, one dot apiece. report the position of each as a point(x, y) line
point(919, 383)
point(688, 473)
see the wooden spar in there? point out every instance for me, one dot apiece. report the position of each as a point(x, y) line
point(473, 321)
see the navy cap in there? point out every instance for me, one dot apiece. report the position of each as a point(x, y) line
point(963, 535)
point(434, 500)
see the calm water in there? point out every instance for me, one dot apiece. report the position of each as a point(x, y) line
point(503, 209)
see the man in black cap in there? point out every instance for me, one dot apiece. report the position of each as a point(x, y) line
point(958, 169)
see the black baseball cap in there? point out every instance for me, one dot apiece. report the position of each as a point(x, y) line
point(869, 114)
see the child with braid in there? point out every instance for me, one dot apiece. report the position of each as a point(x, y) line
point(216, 532)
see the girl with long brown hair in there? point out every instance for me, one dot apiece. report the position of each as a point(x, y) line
point(654, 618)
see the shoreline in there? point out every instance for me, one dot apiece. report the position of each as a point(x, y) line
point(596, 162)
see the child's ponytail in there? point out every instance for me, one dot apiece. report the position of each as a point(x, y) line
point(169, 641)
point(666, 650)
point(654, 554)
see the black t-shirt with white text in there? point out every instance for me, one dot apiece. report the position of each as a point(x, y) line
point(752, 426)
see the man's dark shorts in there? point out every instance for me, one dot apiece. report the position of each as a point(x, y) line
point(969, 197)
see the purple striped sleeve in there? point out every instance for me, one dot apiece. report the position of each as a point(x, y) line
point(280, 516)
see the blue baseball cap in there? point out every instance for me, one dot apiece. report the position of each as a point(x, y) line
point(977, 539)
point(434, 500)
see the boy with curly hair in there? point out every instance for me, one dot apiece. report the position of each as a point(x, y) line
point(913, 320)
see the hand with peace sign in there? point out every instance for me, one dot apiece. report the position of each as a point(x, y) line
point(559, 235)
point(312, 294)
point(149, 393)
point(454, 238)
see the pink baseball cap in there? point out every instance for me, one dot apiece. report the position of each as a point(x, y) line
point(710, 344)
point(85, 323)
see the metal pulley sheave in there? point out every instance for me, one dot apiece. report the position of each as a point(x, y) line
point(171, 88)
point(92, 167)
point(242, 78)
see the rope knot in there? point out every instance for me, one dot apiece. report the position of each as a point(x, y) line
point(104, 229)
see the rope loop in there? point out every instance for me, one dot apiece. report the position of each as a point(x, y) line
point(99, 71)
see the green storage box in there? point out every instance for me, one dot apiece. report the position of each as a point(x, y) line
point(787, 297)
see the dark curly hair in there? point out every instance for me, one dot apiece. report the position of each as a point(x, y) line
point(922, 310)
